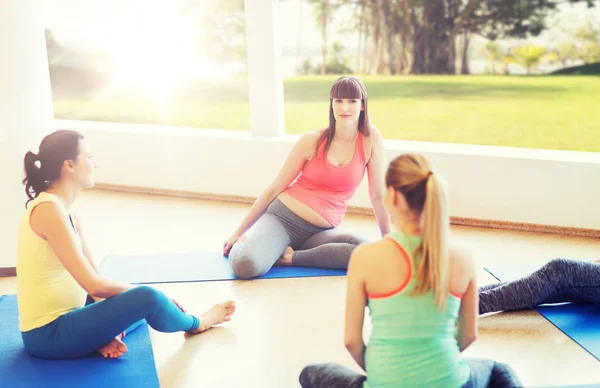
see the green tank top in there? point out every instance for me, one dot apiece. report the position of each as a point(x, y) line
point(413, 344)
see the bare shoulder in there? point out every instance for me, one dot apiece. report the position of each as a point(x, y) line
point(310, 137)
point(308, 143)
point(47, 211)
point(375, 138)
point(461, 257)
point(46, 216)
point(368, 253)
point(375, 132)
point(373, 142)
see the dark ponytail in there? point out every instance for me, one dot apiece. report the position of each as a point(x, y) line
point(43, 169)
point(34, 180)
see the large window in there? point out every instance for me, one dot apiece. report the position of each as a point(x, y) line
point(164, 62)
point(523, 73)
point(517, 73)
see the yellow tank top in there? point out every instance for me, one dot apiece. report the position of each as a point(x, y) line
point(45, 289)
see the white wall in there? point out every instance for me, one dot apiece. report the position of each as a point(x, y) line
point(490, 183)
point(25, 109)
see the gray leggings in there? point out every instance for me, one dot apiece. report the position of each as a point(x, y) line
point(484, 373)
point(561, 280)
point(279, 228)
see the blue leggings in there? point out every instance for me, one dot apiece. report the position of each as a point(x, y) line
point(83, 331)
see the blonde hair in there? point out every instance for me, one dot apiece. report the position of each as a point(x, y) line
point(424, 191)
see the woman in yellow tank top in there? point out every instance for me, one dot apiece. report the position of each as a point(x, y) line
point(417, 290)
point(56, 272)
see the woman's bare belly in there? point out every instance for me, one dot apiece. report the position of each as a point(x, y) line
point(303, 211)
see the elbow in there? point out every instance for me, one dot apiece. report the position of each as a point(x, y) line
point(95, 292)
point(352, 344)
point(472, 338)
point(270, 194)
point(468, 340)
point(95, 289)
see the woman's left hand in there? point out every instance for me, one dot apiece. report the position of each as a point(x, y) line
point(179, 305)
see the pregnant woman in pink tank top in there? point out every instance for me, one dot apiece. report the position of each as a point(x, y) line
point(295, 220)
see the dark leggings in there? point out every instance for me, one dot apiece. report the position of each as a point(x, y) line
point(85, 330)
point(484, 373)
point(279, 228)
point(560, 280)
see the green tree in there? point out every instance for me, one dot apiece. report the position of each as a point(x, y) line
point(421, 34)
point(338, 64)
point(221, 27)
point(566, 52)
point(306, 67)
point(494, 53)
point(324, 10)
point(530, 56)
point(589, 36)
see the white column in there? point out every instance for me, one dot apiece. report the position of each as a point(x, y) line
point(26, 112)
point(265, 83)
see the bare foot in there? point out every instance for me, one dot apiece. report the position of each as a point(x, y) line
point(286, 257)
point(219, 313)
point(114, 349)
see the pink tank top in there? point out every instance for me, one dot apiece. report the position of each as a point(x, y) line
point(326, 188)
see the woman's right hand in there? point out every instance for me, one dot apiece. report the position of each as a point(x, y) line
point(303, 150)
point(229, 244)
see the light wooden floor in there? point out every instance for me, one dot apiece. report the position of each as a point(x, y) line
point(282, 324)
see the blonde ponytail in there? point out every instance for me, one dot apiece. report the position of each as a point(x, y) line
point(425, 195)
point(433, 271)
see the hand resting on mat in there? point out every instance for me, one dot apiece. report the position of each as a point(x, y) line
point(179, 305)
point(227, 245)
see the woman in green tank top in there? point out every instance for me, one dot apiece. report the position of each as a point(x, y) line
point(421, 294)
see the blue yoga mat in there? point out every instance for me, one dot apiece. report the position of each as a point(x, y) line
point(190, 267)
point(18, 369)
point(581, 322)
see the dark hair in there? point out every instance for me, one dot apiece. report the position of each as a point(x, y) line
point(346, 87)
point(53, 151)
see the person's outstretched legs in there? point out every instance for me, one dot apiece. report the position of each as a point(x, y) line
point(88, 329)
point(560, 280)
